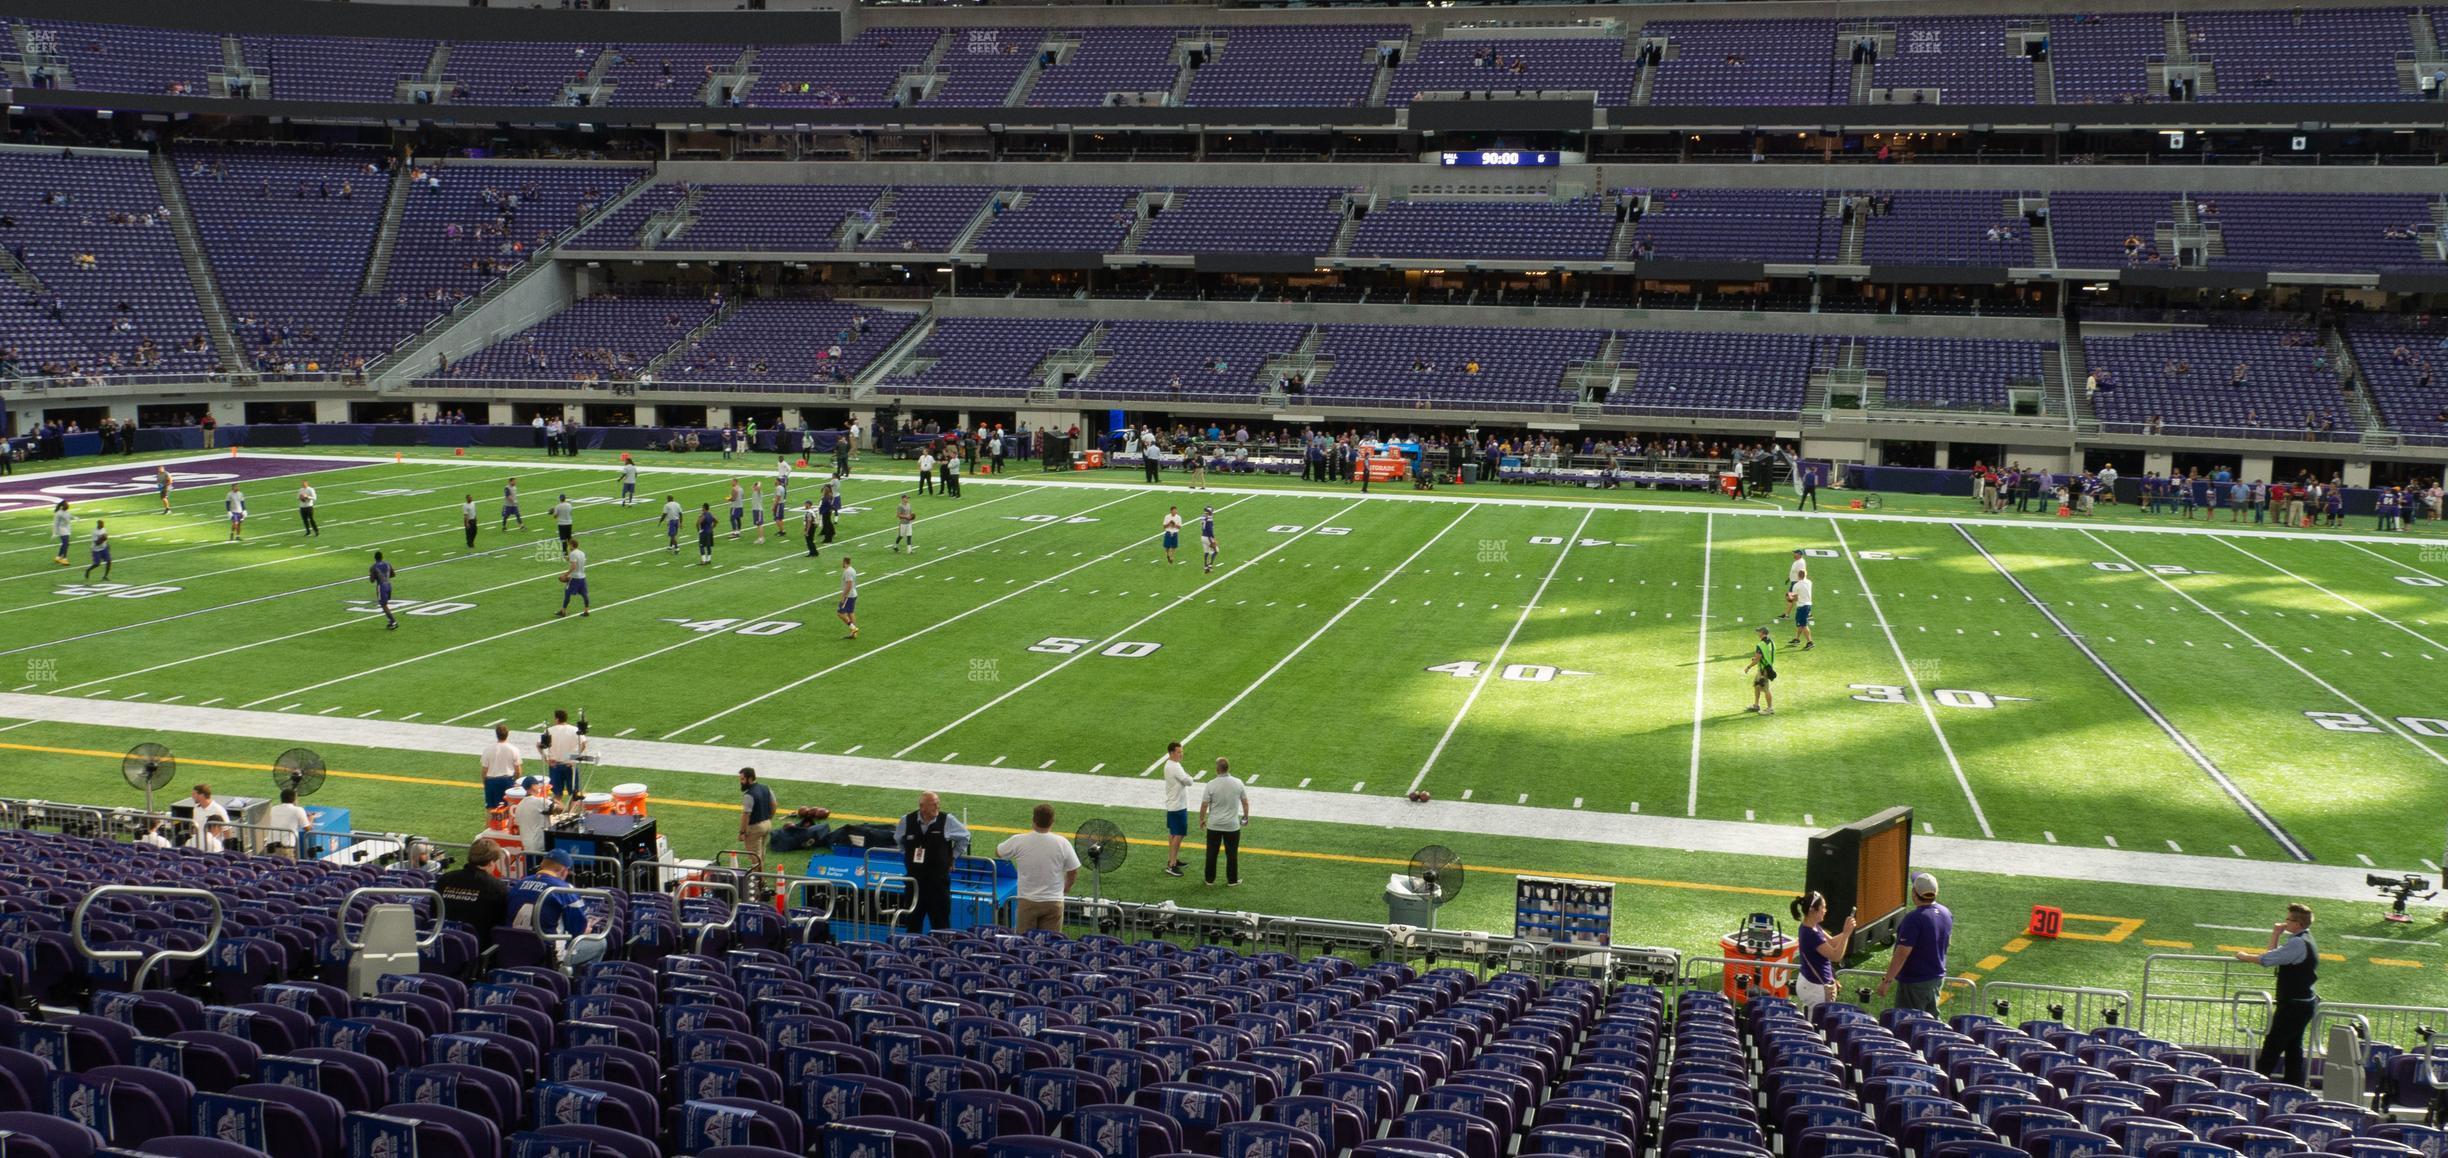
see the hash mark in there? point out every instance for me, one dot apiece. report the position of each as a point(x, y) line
point(997, 761)
point(1099, 768)
point(852, 749)
point(1357, 787)
point(1046, 765)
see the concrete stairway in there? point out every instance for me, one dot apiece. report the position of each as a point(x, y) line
point(217, 322)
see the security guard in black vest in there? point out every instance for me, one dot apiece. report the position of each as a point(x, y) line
point(931, 839)
point(2297, 960)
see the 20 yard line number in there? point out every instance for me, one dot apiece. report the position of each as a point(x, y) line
point(2429, 726)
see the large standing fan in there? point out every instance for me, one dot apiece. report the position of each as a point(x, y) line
point(297, 770)
point(149, 767)
point(1102, 847)
point(1436, 875)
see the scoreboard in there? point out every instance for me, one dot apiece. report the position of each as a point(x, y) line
point(1499, 159)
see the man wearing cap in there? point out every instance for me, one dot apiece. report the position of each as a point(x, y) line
point(1763, 672)
point(533, 815)
point(1918, 969)
point(531, 908)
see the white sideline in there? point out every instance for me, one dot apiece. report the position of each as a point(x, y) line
point(1937, 853)
point(1563, 498)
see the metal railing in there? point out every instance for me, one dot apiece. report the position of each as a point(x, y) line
point(147, 960)
point(2390, 1024)
point(1739, 974)
point(2080, 1006)
point(1857, 984)
point(2204, 1001)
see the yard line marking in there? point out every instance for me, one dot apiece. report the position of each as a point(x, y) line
point(820, 673)
point(997, 762)
point(2184, 744)
point(852, 750)
point(808, 745)
point(2236, 849)
point(2111, 841)
point(209, 522)
point(694, 639)
point(1047, 764)
point(369, 712)
point(283, 708)
point(622, 732)
point(1911, 677)
point(2048, 836)
point(762, 743)
point(1099, 768)
point(1481, 683)
point(1076, 656)
point(333, 626)
point(2367, 861)
point(1708, 536)
point(2375, 717)
point(183, 695)
point(2334, 595)
point(1304, 780)
point(716, 738)
point(410, 716)
point(2175, 847)
point(210, 702)
point(1320, 633)
point(1362, 784)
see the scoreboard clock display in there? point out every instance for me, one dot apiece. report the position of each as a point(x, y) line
point(1499, 159)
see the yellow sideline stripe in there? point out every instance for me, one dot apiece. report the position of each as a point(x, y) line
point(665, 801)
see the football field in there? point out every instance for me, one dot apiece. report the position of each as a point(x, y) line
point(2270, 696)
point(2117, 706)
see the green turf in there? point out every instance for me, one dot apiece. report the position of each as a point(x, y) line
point(1549, 653)
point(1673, 899)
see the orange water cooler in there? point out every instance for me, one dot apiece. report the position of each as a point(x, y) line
point(1758, 940)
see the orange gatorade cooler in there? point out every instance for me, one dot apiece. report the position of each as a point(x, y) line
point(629, 799)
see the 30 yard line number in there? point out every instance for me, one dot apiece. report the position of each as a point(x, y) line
point(1946, 697)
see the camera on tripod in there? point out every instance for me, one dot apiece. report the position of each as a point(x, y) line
point(2399, 890)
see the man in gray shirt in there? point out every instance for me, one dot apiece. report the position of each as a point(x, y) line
point(1224, 812)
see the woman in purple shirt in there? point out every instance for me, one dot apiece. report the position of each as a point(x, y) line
point(1818, 953)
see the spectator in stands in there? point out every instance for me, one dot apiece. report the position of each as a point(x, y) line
point(474, 894)
point(532, 908)
point(1917, 970)
point(930, 840)
point(1816, 951)
point(1047, 867)
point(2296, 959)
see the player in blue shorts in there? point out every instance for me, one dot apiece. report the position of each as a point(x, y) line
point(671, 521)
point(380, 576)
point(510, 508)
point(781, 509)
point(1172, 533)
point(705, 534)
point(628, 482)
point(101, 552)
point(848, 611)
point(1800, 595)
point(63, 525)
point(1207, 538)
point(574, 584)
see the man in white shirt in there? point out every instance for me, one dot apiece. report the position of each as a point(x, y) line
point(562, 744)
point(1047, 866)
point(501, 766)
point(289, 823)
point(1225, 811)
point(533, 816)
point(212, 837)
point(306, 508)
point(1800, 597)
point(573, 581)
point(1177, 807)
point(206, 809)
point(926, 472)
point(565, 520)
point(628, 477)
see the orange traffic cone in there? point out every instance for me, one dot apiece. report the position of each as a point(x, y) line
point(233, 452)
point(397, 457)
